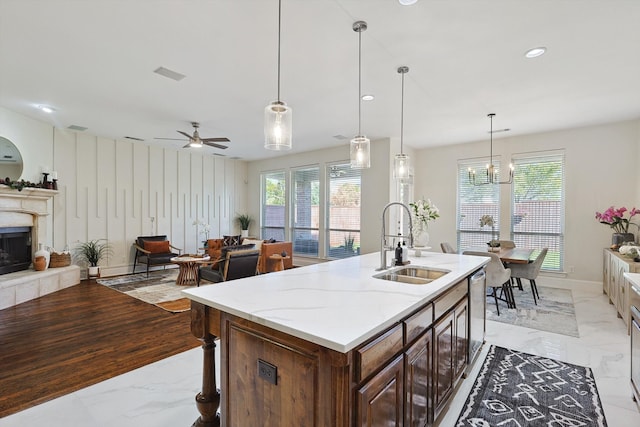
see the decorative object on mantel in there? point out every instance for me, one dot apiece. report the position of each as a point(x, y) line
point(42, 252)
point(615, 219)
point(20, 184)
point(39, 263)
point(494, 243)
point(245, 221)
point(422, 211)
point(59, 259)
point(92, 252)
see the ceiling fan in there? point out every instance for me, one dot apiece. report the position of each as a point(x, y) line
point(196, 141)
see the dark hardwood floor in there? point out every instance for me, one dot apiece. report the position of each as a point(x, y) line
point(80, 336)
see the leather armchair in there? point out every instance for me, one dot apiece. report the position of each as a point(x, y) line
point(236, 264)
point(158, 251)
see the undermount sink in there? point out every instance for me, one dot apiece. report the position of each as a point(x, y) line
point(412, 275)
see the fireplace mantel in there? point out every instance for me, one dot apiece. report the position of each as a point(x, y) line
point(30, 207)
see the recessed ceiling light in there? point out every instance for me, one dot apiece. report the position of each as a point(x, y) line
point(407, 2)
point(46, 108)
point(535, 52)
point(367, 97)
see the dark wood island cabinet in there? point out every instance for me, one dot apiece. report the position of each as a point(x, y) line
point(403, 375)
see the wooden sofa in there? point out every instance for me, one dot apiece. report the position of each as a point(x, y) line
point(214, 249)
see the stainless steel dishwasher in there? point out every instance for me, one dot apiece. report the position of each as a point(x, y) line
point(477, 314)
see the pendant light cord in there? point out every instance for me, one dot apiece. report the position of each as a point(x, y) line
point(359, 81)
point(402, 115)
point(279, 29)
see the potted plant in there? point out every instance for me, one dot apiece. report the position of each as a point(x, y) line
point(92, 252)
point(245, 221)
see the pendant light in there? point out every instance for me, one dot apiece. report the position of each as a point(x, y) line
point(360, 144)
point(492, 171)
point(277, 115)
point(401, 162)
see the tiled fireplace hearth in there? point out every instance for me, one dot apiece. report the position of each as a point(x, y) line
point(29, 208)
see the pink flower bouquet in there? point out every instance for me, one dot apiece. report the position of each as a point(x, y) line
point(615, 219)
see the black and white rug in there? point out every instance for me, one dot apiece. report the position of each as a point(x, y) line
point(520, 389)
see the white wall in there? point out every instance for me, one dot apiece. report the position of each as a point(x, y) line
point(120, 189)
point(601, 170)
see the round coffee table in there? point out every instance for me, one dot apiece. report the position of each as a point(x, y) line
point(189, 265)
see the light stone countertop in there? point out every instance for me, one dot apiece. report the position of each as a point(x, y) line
point(336, 304)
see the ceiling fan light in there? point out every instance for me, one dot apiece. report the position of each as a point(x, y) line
point(359, 152)
point(196, 144)
point(277, 126)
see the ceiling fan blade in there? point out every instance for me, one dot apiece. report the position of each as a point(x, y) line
point(187, 146)
point(213, 144)
point(215, 139)
point(185, 134)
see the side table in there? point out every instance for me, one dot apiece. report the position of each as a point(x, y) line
point(188, 274)
point(276, 262)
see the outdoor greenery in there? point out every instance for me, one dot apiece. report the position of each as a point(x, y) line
point(93, 251)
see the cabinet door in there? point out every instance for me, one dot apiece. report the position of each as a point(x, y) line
point(621, 295)
point(419, 382)
point(613, 285)
point(605, 272)
point(444, 351)
point(380, 400)
point(461, 339)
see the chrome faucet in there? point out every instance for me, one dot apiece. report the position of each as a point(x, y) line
point(384, 248)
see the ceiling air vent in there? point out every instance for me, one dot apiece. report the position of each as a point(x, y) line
point(78, 128)
point(169, 73)
point(340, 137)
point(133, 138)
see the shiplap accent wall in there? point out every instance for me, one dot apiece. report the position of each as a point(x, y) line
point(117, 190)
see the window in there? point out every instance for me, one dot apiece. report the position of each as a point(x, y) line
point(343, 211)
point(473, 203)
point(306, 201)
point(273, 205)
point(538, 206)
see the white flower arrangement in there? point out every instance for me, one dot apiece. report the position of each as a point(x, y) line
point(423, 211)
point(487, 220)
point(205, 228)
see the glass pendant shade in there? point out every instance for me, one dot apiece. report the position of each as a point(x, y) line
point(360, 152)
point(401, 167)
point(277, 126)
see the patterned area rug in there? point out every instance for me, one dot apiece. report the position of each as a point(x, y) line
point(554, 313)
point(520, 389)
point(159, 289)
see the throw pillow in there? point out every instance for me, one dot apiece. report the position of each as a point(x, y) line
point(160, 247)
point(258, 243)
point(231, 240)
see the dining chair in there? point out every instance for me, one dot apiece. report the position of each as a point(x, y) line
point(498, 278)
point(447, 248)
point(530, 272)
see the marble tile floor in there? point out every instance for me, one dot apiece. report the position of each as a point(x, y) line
point(162, 394)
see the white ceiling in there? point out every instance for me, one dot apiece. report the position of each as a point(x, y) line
point(93, 61)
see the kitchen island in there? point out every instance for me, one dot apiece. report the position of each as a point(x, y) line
point(330, 345)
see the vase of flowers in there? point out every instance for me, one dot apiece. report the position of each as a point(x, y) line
point(487, 220)
point(204, 231)
point(615, 218)
point(422, 211)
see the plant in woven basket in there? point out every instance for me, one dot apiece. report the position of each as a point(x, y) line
point(93, 251)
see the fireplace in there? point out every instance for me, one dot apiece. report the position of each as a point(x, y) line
point(15, 249)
